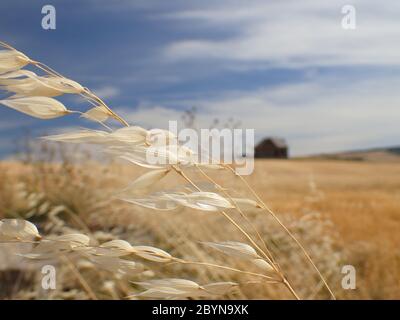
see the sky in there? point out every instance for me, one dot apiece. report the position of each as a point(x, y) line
point(284, 68)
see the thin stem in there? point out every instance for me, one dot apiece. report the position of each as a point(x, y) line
point(181, 173)
point(225, 268)
point(284, 281)
point(270, 257)
point(101, 123)
point(5, 45)
point(115, 116)
point(265, 207)
point(81, 280)
point(78, 221)
point(287, 284)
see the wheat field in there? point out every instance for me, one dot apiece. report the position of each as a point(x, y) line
point(362, 199)
point(344, 212)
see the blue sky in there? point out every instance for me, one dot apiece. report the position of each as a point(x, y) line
point(285, 68)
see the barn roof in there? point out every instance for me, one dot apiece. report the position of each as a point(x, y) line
point(278, 142)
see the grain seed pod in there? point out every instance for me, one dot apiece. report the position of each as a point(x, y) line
point(98, 113)
point(28, 83)
point(152, 254)
point(160, 293)
point(11, 60)
point(206, 201)
point(128, 136)
point(246, 204)
point(220, 288)
point(73, 239)
point(114, 248)
point(234, 249)
point(38, 107)
point(179, 284)
point(263, 265)
point(82, 136)
point(148, 179)
point(18, 229)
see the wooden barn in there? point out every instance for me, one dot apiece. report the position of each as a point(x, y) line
point(272, 148)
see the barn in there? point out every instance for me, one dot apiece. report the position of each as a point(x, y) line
point(271, 148)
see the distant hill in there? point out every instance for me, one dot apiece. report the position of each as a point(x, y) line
point(374, 154)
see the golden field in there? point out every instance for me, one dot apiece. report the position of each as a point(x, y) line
point(362, 199)
point(344, 212)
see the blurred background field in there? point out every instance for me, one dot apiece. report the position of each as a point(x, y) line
point(345, 212)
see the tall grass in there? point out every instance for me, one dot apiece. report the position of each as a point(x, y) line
point(192, 185)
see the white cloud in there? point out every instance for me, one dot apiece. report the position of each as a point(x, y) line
point(318, 116)
point(292, 33)
point(107, 92)
point(150, 115)
point(324, 113)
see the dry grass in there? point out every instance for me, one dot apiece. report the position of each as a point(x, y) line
point(79, 208)
point(362, 199)
point(345, 213)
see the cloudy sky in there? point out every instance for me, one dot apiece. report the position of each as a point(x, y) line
point(285, 68)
